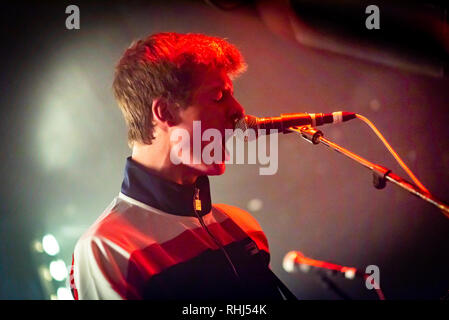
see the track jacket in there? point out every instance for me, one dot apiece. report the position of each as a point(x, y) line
point(150, 244)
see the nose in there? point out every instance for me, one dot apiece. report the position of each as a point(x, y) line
point(235, 111)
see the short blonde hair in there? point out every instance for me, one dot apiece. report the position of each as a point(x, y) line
point(162, 66)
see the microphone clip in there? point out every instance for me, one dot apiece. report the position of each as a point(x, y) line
point(380, 176)
point(309, 133)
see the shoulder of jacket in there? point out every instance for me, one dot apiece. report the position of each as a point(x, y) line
point(95, 232)
point(240, 216)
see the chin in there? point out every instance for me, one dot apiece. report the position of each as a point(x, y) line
point(215, 169)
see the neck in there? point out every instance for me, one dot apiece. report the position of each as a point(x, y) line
point(156, 159)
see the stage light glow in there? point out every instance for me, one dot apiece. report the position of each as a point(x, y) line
point(58, 270)
point(46, 274)
point(255, 205)
point(63, 118)
point(37, 245)
point(374, 105)
point(64, 294)
point(58, 136)
point(50, 245)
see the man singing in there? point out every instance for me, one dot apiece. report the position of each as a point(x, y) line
point(162, 238)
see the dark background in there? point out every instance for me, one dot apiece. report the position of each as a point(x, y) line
point(64, 142)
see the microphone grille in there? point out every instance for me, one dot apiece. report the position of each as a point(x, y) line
point(289, 262)
point(245, 123)
point(241, 124)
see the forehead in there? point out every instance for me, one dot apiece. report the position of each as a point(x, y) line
point(213, 78)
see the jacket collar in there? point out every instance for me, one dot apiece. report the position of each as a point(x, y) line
point(141, 185)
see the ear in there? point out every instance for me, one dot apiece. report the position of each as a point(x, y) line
point(163, 113)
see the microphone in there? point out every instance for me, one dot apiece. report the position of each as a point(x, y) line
point(287, 120)
point(295, 260)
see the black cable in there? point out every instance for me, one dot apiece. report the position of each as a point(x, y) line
point(217, 243)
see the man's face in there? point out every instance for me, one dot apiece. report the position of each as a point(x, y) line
point(213, 107)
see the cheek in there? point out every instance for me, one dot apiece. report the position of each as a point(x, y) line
point(213, 116)
point(209, 113)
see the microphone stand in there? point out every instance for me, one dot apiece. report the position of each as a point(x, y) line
point(380, 173)
point(329, 284)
